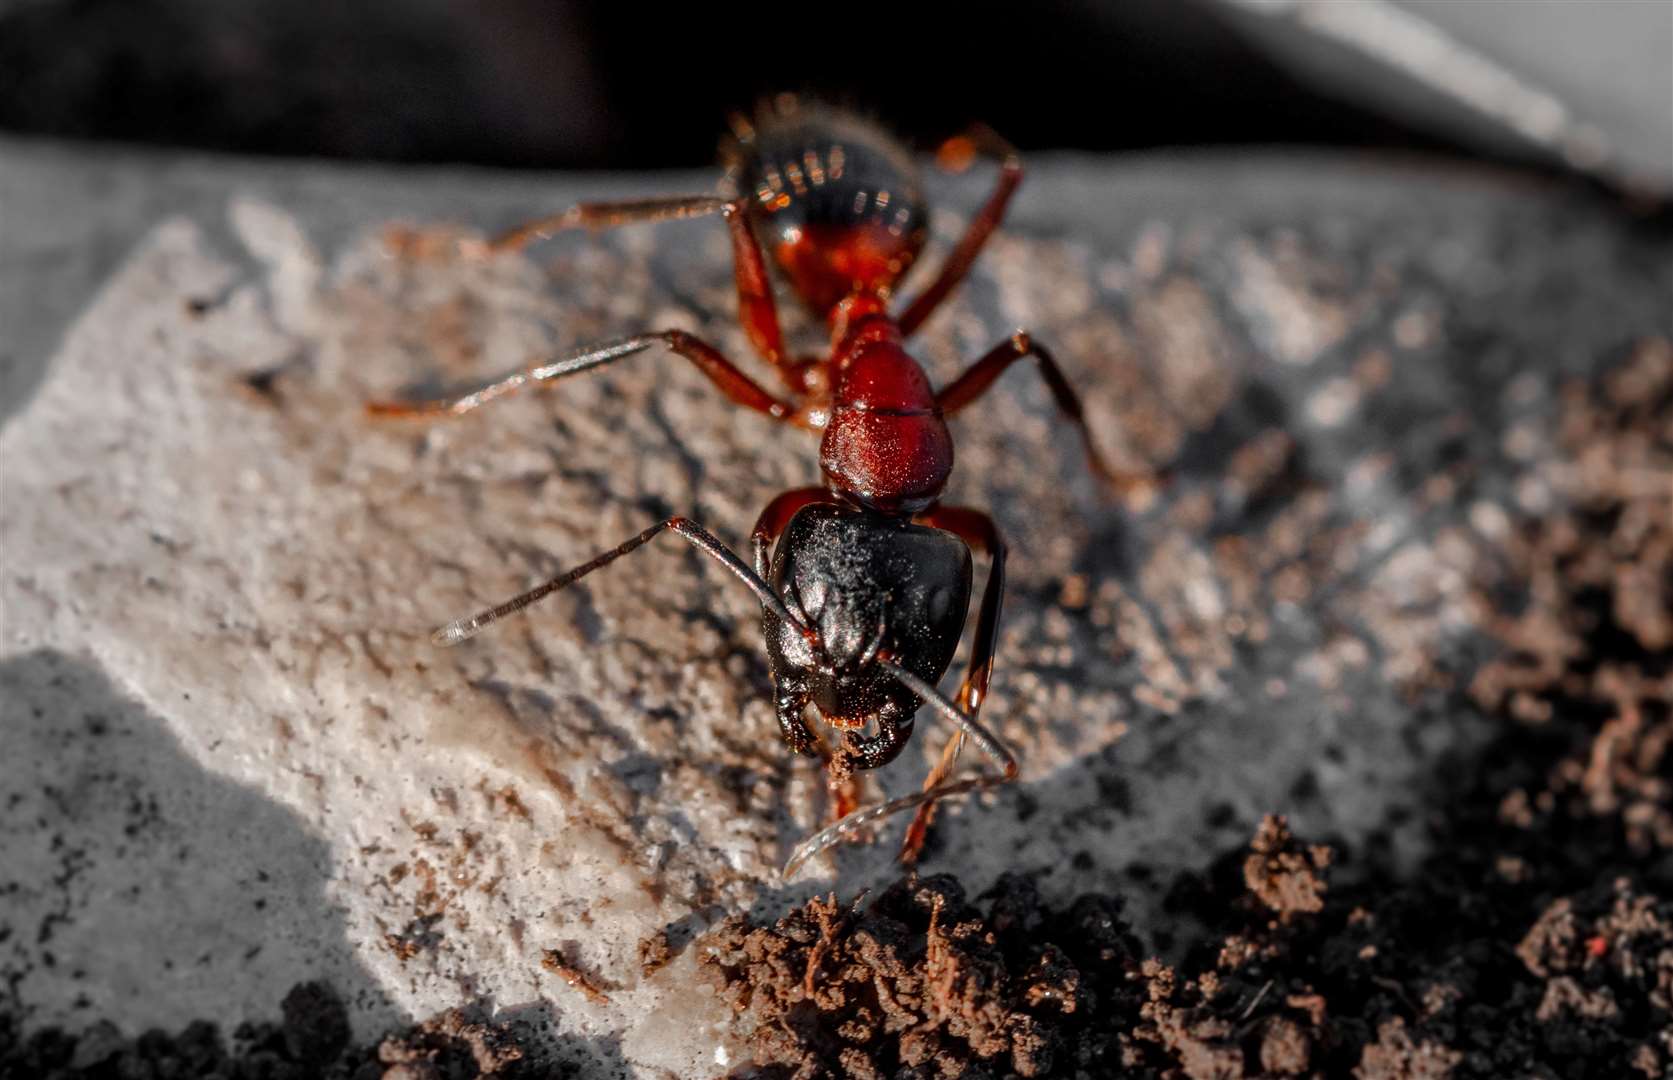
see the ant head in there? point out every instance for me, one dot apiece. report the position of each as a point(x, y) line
point(867, 588)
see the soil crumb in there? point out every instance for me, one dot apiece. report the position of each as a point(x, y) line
point(553, 960)
point(1284, 875)
point(655, 951)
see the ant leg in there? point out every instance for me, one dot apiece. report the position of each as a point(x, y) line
point(968, 726)
point(916, 833)
point(977, 379)
point(956, 154)
point(845, 794)
point(606, 215)
point(835, 834)
point(776, 516)
point(756, 309)
point(733, 383)
point(460, 629)
point(842, 785)
point(978, 530)
point(792, 701)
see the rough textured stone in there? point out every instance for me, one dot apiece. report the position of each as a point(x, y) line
point(220, 577)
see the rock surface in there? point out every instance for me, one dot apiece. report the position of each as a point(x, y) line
point(236, 763)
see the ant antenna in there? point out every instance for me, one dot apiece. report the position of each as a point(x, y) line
point(468, 627)
point(836, 834)
point(985, 740)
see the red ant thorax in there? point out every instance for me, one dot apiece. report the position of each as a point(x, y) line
point(886, 446)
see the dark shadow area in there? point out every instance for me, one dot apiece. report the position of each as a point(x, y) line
point(311, 1040)
point(140, 891)
point(584, 84)
point(139, 885)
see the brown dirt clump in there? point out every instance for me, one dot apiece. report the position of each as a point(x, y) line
point(448, 1046)
point(655, 951)
point(1284, 875)
point(1536, 940)
point(922, 983)
point(553, 960)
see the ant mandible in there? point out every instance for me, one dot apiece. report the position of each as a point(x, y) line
point(865, 596)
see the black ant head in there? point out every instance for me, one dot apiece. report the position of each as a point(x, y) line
point(868, 587)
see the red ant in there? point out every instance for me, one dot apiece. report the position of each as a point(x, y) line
point(865, 596)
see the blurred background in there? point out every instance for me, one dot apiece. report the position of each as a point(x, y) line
point(1581, 86)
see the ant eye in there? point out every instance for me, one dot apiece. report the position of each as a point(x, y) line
point(810, 596)
point(939, 603)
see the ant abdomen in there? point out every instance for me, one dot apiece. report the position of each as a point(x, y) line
point(836, 201)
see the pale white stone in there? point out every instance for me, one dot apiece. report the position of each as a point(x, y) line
point(261, 576)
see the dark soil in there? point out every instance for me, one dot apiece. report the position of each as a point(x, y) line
point(311, 1041)
point(1536, 940)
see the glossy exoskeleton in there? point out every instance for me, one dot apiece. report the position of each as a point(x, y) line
point(864, 582)
point(866, 585)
